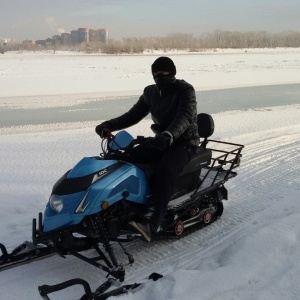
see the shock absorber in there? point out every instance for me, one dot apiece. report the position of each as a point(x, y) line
point(101, 229)
point(119, 271)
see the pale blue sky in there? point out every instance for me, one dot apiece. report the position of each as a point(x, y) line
point(39, 19)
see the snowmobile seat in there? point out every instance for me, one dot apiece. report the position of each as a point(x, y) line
point(206, 127)
point(200, 157)
point(188, 179)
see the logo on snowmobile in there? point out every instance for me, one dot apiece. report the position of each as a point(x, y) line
point(200, 164)
point(99, 175)
point(81, 208)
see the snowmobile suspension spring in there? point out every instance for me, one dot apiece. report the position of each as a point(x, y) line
point(106, 243)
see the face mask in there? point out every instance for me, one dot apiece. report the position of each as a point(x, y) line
point(163, 83)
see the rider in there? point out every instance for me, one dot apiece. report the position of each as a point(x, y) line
point(173, 107)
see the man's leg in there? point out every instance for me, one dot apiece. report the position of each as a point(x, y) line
point(172, 163)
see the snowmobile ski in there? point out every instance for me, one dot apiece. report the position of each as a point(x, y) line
point(23, 254)
point(100, 293)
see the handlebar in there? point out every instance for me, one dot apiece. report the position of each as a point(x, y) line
point(115, 145)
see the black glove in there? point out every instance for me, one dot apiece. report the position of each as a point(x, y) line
point(100, 129)
point(162, 141)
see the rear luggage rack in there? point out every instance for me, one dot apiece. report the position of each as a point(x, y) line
point(225, 157)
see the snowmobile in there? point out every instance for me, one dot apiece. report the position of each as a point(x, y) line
point(91, 205)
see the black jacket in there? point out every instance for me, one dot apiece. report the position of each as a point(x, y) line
point(175, 112)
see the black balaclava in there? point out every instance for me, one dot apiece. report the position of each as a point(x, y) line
point(164, 82)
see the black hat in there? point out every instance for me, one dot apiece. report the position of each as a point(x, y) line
point(164, 63)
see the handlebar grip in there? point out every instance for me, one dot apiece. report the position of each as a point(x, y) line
point(107, 133)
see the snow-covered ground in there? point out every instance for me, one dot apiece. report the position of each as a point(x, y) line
point(28, 74)
point(252, 252)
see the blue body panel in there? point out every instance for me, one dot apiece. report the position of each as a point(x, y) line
point(89, 165)
point(110, 187)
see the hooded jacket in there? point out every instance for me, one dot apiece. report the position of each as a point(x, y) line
point(174, 112)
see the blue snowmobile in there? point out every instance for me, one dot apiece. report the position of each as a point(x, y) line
point(91, 205)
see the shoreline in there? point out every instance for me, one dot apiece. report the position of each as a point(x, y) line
point(82, 125)
point(149, 52)
point(73, 100)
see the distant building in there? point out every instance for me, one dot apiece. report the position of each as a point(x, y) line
point(56, 39)
point(98, 35)
point(28, 42)
point(74, 37)
point(40, 43)
point(5, 41)
point(81, 35)
point(66, 38)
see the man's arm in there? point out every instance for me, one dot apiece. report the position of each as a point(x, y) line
point(186, 113)
point(132, 117)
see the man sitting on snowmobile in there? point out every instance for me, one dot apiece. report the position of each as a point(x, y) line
point(173, 107)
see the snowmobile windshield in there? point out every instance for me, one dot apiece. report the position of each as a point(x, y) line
point(121, 140)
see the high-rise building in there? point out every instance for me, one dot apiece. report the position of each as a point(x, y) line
point(81, 35)
point(98, 35)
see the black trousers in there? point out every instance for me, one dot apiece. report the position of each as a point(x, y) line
point(169, 164)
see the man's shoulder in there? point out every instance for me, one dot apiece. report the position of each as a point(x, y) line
point(150, 87)
point(184, 88)
point(150, 90)
point(183, 84)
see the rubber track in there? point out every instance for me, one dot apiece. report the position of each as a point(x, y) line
point(171, 235)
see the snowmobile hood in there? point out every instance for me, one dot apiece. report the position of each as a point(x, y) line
point(89, 165)
point(85, 173)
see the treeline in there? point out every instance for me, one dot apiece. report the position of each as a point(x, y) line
point(178, 41)
point(212, 40)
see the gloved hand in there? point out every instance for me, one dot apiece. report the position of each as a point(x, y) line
point(100, 129)
point(162, 141)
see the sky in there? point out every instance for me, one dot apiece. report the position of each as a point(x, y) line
point(40, 19)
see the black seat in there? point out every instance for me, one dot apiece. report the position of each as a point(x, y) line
point(206, 127)
point(188, 179)
point(200, 157)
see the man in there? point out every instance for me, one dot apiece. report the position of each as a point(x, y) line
point(173, 107)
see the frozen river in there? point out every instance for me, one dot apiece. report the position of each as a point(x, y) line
point(102, 108)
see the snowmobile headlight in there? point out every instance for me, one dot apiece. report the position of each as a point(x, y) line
point(56, 203)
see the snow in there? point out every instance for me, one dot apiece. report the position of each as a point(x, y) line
point(252, 252)
point(27, 74)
